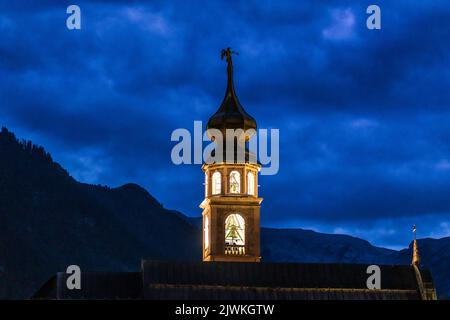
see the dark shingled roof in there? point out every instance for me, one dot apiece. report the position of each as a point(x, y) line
point(200, 292)
point(94, 285)
point(235, 280)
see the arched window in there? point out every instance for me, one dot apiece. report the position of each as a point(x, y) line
point(216, 183)
point(206, 184)
point(235, 182)
point(251, 183)
point(234, 230)
point(206, 230)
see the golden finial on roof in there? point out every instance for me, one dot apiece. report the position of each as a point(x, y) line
point(416, 256)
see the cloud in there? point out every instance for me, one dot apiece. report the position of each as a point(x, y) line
point(363, 124)
point(363, 114)
point(443, 165)
point(342, 26)
point(149, 21)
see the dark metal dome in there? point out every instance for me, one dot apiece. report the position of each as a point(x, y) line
point(231, 114)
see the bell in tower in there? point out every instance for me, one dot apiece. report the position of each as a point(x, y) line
point(231, 208)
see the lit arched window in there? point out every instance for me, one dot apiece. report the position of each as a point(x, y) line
point(235, 182)
point(235, 230)
point(251, 183)
point(216, 182)
point(206, 230)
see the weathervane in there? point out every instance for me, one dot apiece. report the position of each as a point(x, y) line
point(226, 53)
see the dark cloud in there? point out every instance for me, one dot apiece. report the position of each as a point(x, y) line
point(363, 115)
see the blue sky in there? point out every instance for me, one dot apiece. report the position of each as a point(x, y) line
point(364, 116)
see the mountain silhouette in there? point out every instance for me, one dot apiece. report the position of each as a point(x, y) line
point(48, 221)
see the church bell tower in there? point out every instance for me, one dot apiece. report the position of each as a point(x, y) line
point(231, 208)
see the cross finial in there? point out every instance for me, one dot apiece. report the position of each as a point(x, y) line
point(226, 53)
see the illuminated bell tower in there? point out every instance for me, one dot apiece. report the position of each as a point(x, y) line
point(231, 208)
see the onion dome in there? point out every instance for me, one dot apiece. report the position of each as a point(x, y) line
point(231, 114)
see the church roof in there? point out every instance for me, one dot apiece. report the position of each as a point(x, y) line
point(236, 280)
point(231, 114)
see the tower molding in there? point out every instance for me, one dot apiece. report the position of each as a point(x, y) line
point(231, 207)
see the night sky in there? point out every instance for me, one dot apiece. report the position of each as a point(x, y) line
point(364, 115)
